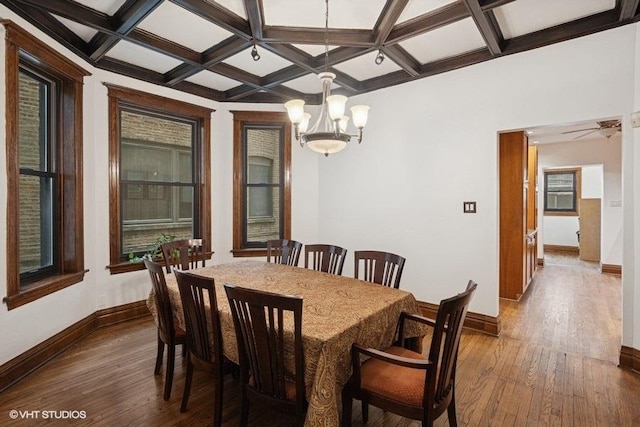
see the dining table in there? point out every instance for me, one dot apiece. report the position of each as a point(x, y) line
point(337, 312)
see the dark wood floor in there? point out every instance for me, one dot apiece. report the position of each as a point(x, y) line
point(554, 364)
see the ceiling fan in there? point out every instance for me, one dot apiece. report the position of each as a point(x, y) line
point(606, 128)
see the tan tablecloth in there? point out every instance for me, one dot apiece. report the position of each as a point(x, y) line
point(337, 311)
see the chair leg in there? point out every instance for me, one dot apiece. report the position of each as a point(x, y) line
point(347, 407)
point(451, 410)
point(168, 380)
point(187, 385)
point(159, 355)
point(184, 350)
point(244, 408)
point(365, 411)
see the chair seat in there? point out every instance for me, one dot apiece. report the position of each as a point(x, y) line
point(180, 333)
point(392, 382)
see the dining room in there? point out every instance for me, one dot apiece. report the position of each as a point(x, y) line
point(428, 149)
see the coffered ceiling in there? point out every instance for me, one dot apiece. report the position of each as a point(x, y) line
point(204, 47)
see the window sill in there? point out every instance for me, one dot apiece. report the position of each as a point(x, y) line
point(43, 288)
point(560, 213)
point(129, 266)
point(252, 252)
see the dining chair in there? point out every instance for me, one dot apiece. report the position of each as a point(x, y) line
point(185, 254)
point(327, 258)
point(263, 321)
point(407, 383)
point(284, 251)
point(204, 336)
point(379, 267)
point(169, 333)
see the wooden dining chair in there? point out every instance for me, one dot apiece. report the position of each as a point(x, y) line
point(262, 324)
point(284, 251)
point(407, 383)
point(379, 267)
point(185, 254)
point(169, 333)
point(327, 258)
point(204, 336)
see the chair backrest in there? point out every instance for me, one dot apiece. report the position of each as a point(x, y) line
point(202, 323)
point(446, 340)
point(284, 251)
point(185, 254)
point(327, 258)
point(384, 268)
point(263, 323)
point(164, 308)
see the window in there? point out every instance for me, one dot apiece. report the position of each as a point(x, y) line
point(44, 212)
point(261, 188)
point(159, 158)
point(561, 191)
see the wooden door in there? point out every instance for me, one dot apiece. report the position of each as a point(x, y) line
point(590, 213)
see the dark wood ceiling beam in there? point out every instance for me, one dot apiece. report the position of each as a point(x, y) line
point(236, 74)
point(292, 54)
point(627, 8)
point(218, 15)
point(401, 57)
point(340, 54)
point(74, 11)
point(255, 15)
point(455, 62)
point(429, 21)
point(387, 19)
point(240, 92)
point(126, 18)
point(167, 47)
point(487, 25)
point(346, 81)
point(282, 76)
point(209, 57)
point(202, 91)
point(342, 37)
point(124, 68)
point(562, 32)
point(492, 4)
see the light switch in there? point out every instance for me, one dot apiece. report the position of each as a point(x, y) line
point(469, 207)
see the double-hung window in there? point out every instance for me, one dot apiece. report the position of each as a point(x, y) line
point(262, 189)
point(44, 169)
point(159, 156)
point(561, 191)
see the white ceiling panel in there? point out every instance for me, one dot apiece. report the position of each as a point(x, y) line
point(308, 84)
point(415, 8)
point(82, 31)
point(235, 6)
point(364, 67)
point(213, 81)
point(174, 23)
point(526, 16)
point(142, 57)
point(268, 63)
point(313, 49)
point(359, 14)
point(110, 7)
point(444, 42)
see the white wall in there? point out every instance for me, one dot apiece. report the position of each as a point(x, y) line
point(594, 155)
point(28, 325)
point(432, 144)
point(429, 146)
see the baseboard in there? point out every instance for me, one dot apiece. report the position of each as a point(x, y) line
point(562, 248)
point(22, 365)
point(478, 322)
point(630, 358)
point(540, 262)
point(121, 313)
point(611, 269)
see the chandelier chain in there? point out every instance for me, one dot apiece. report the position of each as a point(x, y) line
point(326, 36)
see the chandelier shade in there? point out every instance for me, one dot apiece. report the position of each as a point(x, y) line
point(329, 134)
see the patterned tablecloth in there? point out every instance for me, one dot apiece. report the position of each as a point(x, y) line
point(337, 311)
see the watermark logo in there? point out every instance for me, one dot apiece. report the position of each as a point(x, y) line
point(47, 415)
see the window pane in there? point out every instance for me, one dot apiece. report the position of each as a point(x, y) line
point(263, 184)
point(32, 122)
point(155, 149)
point(560, 182)
point(35, 227)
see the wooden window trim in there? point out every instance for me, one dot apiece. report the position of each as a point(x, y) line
point(578, 192)
point(146, 101)
point(257, 117)
point(69, 163)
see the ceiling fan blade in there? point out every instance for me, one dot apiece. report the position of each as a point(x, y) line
point(588, 133)
point(581, 130)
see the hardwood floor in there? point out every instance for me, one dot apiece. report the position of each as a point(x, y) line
point(554, 364)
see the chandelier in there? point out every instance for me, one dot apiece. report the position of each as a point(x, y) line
point(329, 133)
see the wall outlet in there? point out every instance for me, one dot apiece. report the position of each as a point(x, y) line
point(469, 207)
point(635, 119)
point(615, 203)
